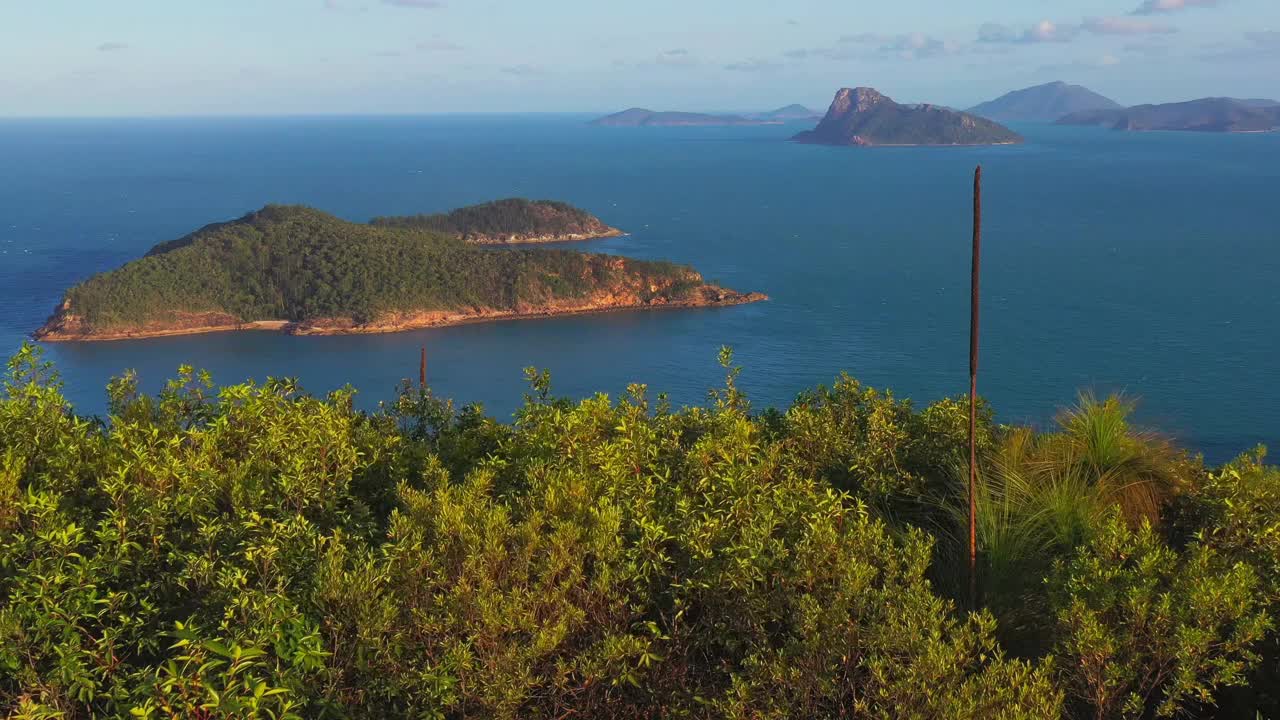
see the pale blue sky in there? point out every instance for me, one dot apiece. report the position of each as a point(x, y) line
point(250, 57)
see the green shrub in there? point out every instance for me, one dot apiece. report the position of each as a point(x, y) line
point(1236, 511)
point(254, 552)
point(1144, 630)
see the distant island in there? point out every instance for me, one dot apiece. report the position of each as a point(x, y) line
point(863, 116)
point(788, 114)
point(1204, 115)
point(1043, 103)
point(299, 270)
point(509, 221)
point(640, 117)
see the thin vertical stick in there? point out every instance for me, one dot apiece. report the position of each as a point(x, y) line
point(422, 369)
point(973, 390)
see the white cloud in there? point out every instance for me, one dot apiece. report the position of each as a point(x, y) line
point(907, 46)
point(916, 45)
point(1045, 31)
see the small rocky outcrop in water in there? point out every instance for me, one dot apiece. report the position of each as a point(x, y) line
point(864, 116)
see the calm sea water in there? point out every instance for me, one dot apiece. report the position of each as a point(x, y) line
point(1148, 263)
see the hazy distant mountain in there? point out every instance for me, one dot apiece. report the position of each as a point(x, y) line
point(1204, 115)
point(1043, 103)
point(863, 116)
point(790, 112)
point(1259, 102)
point(640, 117)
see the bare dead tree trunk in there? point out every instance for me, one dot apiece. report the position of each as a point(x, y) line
point(973, 389)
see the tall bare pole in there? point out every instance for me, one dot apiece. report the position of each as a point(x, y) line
point(973, 389)
point(422, 369)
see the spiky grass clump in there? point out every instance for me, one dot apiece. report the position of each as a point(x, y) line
point(1039, 496)
point(1137, 470)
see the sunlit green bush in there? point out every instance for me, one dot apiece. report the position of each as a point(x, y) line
point(254, 552)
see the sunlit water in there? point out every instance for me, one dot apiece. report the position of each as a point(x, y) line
point(1148, 263)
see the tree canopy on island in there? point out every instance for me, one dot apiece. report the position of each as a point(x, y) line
point(297, 263)
point(492, 221)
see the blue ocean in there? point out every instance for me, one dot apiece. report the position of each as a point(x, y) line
point(1142, 263)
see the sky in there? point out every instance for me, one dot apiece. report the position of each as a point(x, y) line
point(281, 57)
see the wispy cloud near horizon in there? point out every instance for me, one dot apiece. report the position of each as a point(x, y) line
point(1047, 31)
point(1259, 45)
point(753, 65)
point(1126, 26)
point(523, 69)
point(904, 46)
point(1157, 7)
point(113, 47)
point(438, 44)
point(676, 57)
point(418, 4)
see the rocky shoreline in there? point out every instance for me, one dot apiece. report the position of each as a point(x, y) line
point(65, 326)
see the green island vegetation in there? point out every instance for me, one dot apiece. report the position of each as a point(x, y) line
point(500, 220)
point(255, 552)
point(297, 264)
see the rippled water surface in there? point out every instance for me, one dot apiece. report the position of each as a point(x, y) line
point(1148, 263)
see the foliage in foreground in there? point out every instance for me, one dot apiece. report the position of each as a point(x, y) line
point(255, 552)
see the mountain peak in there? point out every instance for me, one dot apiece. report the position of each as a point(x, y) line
point(865, 116)
point(859, 99)
point(1043, 103)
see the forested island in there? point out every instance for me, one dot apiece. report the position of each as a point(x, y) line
point(254, 552)
point(865, 117)
point(1204, 115)
point(509, 221)
point(303, 271)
